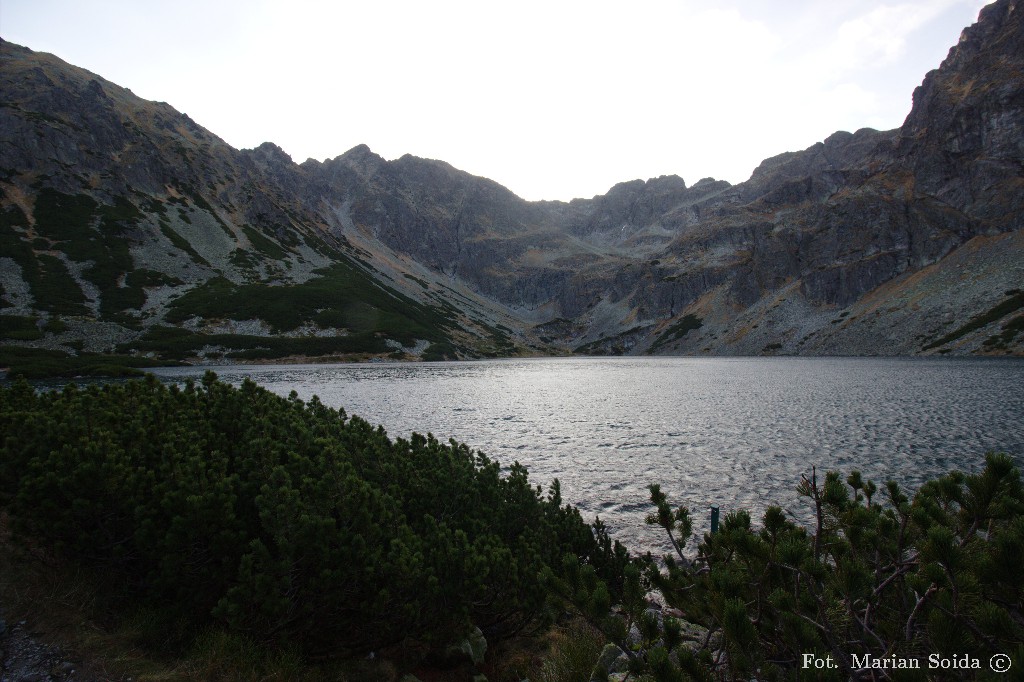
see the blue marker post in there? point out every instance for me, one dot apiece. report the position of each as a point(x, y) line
point(714, 518)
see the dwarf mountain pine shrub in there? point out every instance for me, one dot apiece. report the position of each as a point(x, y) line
point(286, 521)
point(872, 581)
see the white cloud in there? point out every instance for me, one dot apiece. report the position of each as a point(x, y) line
point(879, 37)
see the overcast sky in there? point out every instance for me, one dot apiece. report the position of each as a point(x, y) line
point(553, 99)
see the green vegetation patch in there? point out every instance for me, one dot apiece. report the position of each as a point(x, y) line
point(37, 363)
point(1008, 333)
point(342, 296)
point(20, 328)
point(596, 347)
point(197, 199)
point(132, 294)
point(263, 244)
point(151, 278)
point(182, 243)
point(64, 217)
point(154, 205)
point(437, 352)
point(678, 330)
point(51, 285)
point(416, 279)
point(55, 326)
point(174, 343)
point(610, 345)
point(1013, 302)
point(93, 234)
point(313, 346)
point(499, 344)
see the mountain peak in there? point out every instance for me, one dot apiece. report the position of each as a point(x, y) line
point(359, 151)
point(272, 153)
point(360, 159)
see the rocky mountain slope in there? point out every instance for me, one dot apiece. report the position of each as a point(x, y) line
point(128, 228)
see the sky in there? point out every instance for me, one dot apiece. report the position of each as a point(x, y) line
point(553, 99)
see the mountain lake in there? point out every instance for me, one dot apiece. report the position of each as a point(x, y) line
point(731, 432)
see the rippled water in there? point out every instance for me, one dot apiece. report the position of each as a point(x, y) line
point(734, 432)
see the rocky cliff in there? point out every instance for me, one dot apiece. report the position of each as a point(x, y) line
point(127, 227)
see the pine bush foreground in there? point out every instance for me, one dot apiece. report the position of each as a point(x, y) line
point(286, 521)
point(297, 526)
point(900, 589)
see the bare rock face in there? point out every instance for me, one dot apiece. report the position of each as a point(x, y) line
point(798, 259)
point(964, 139)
